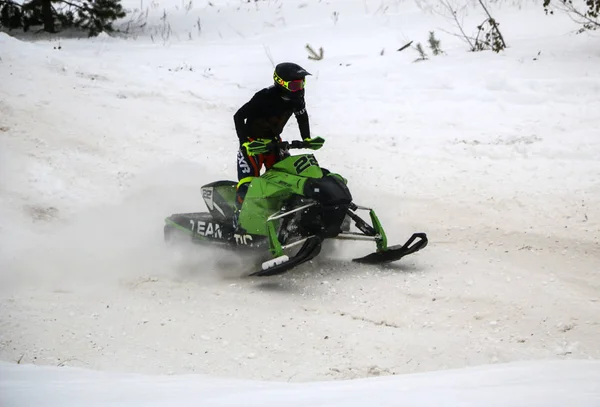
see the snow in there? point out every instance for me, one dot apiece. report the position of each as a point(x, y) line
point(552, 384)
point(495, 156)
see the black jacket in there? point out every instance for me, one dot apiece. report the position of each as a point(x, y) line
point(267, 113)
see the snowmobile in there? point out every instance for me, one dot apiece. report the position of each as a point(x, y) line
point(294, 204)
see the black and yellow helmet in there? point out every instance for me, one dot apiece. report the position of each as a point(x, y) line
point(290, 78)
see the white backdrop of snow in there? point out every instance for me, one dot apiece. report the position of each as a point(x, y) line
point(495, 156)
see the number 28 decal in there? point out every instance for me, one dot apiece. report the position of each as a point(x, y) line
point(304, 162)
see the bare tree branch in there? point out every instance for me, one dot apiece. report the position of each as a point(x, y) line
point(450, 9)
point(493, 23)
point(402, 48)
point(570, 9)
point(268, 52)
point(475, 39)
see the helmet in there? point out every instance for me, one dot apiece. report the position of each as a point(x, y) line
point(290, 79)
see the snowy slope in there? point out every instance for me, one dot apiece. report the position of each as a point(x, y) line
point(550, 384)
point(495, 156)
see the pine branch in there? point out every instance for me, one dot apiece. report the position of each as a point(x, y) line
point(313, 55)
point(12, 3)
point(77, 6)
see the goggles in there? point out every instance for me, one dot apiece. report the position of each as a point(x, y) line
point(292, 86)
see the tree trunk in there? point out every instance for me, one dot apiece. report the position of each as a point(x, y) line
point(48, 16)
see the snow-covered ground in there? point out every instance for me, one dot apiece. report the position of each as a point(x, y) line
point(548, 384)
point(495, 156)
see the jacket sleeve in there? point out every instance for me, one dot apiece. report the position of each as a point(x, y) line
point(239, 118)
point(303, 122)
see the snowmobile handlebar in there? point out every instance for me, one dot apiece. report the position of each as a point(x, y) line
point(295, 144)
point(287, 145)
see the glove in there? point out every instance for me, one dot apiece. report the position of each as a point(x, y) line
point(314, 143)
point(256, 147)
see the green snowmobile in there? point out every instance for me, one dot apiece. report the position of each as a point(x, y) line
point(295, 204)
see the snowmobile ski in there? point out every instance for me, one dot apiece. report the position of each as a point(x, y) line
point(394, 253)
point(310, 249)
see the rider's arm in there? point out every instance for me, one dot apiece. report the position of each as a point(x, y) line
point(239, 118)
point(302, 118)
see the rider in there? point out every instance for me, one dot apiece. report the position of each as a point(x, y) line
point(262, 119)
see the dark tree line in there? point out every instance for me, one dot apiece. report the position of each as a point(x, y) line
point(94, 16)
point(97, 16)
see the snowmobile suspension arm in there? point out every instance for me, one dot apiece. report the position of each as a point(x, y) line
point(375, 231)
point(356, 236)
point(274, 243)
point(297, 242)
point(362, 225)
point(284, 214)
